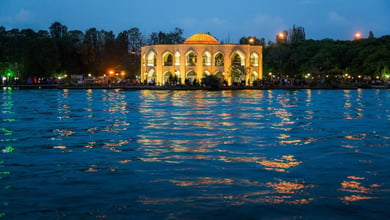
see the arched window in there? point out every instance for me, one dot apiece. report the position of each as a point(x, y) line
point(206, 59)
point(254, 59)
point(151, 77)
point(177, 59)
point(190, 77)
point(152, 60)
point(191, 59)
point(167, 78)
point(236, 60)
point(168, 59)
point(218, 59)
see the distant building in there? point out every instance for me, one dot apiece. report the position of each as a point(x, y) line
point(201, 55)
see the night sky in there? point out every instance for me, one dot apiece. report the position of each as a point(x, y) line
point(227, 20)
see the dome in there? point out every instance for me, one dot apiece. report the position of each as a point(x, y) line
point(201, 38)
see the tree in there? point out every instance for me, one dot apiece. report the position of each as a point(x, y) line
point(212, 82)
point(252, 40)
point(371, 35)
point(296, 34)
point(173, 37)
point(57, 30)
point(135, 40)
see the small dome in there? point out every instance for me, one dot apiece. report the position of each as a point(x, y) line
point(201, 38)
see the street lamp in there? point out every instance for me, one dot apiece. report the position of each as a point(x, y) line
point(251, 40)
point(281, 37)
point(357, 36)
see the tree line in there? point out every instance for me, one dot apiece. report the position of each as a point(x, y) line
point(294, 56)
point(59, 51)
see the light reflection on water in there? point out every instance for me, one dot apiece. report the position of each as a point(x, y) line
point(194, 154)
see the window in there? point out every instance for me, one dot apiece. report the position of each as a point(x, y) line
point(152, 59)
point(168, 60)
point(254, 59)
point(219, 60)
point(177, 59)
point(206, 59)
point(236, 60)
point(191, 59)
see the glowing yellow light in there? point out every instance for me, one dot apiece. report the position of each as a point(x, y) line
point(357, 35)
point(281, 35)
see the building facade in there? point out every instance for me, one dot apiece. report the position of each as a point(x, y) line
point(201, 55)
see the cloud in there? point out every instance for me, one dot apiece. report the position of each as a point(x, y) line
point(269, 21)
point(23, 16)
point(187, 22)
point(217, 21)
point(337, 18)
point(193, 22)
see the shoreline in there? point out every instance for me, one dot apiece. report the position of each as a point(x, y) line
point(183, 87)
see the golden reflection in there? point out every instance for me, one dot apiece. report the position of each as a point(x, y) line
point(205, 181)
point(278, 192)
point(63, 132)
point(60, 147)
point(285, 187)
point(92, 130)
point(90, 144)
point(280, 165)
point(117, 144)
point(91, 170)
point(354, 185)
point(308, 93)
point(356, 137)
point(283, 136)
point(295, 142)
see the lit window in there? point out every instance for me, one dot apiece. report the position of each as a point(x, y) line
point(191, 59)
point(254, 59)
point(219, 60)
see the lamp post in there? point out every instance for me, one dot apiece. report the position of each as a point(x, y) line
point(281, 37)
point(251, 40)
point(357, 36)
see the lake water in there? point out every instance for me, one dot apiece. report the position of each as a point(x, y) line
point(250, 154)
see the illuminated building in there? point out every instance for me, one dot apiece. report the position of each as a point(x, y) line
point(201, 55)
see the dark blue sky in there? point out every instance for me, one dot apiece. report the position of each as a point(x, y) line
point(225, 19)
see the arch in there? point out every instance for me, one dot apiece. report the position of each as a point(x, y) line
point(151, 77)
point(218, 59)
point(206, 58)
point(167, 59)
point(191, 58)
point(190, 76)
point(238, 58)
point(254, 59)
point(254, 76)
point(177, 58)
point(151, 59)
point(167, 77)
